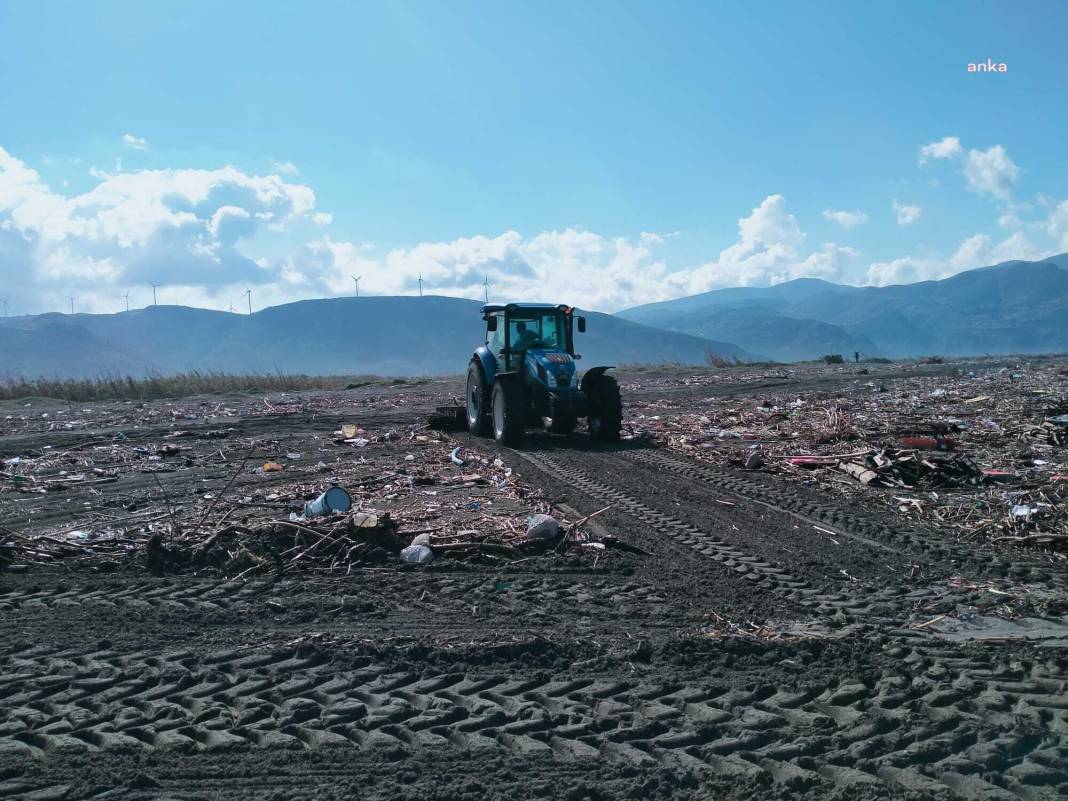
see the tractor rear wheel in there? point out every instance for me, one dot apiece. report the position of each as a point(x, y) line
point(478, 401)
point(606, 413)
point(507, 411)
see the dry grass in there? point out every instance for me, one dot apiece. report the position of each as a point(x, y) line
point(116, 387)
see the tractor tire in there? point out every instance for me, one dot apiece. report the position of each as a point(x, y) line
point(606, 415)
point(479, 421)
point(563, 425)
point(507, 411)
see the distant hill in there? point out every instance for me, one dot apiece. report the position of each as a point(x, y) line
point(382, 335)
point(787, 338)
point(53, 347)
point(1013, 307)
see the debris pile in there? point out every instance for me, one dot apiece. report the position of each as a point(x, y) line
point(191, 498)
point(911, 469)
point(960, 448)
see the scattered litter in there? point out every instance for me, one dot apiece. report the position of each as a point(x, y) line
point(333, 500)
point(955, 451)
point(417, 554)
point(455, 456)
point(542, 527)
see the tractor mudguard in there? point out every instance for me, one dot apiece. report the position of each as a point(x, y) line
point(488, 362)
point(592, 375)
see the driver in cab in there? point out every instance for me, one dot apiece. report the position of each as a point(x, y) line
point(525, 338)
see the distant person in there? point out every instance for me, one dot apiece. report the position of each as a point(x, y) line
point(856, 356)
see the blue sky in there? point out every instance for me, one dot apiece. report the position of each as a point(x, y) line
point(615, 152)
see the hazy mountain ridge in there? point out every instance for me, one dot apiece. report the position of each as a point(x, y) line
point(1013, 307)
point(383, 335)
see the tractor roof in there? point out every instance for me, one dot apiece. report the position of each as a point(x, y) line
point(490, 308)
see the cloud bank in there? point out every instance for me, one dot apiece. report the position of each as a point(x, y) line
point(207, 235)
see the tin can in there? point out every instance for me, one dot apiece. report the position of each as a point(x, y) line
point(334, 499)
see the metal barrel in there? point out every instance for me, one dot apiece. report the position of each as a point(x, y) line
point(334, 499)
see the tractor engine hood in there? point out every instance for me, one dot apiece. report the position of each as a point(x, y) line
point(553, 368)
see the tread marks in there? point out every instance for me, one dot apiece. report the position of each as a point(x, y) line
point(209, 596)
point(900, 540)
point(766, 575)
point(893, 605)
point(926, 724)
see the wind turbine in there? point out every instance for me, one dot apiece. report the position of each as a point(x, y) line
point(485, 285)
point(357, 278)
point(420, 285)
point(154, 293)
point(72, 305)
point(126, 297)
point(248, 293)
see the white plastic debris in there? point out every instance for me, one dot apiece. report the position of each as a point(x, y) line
point(421, 539)
point(417, 555)
point(1023, 511)
point(542, 527)
point(455, 456)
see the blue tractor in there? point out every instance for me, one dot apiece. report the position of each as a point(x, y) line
point(524, 377)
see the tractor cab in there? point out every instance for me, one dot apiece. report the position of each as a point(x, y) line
point(518, 328)
point(525, 372)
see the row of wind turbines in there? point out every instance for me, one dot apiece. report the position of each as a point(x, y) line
point(247, 294)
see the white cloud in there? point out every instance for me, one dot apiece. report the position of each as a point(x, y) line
point(906, 215)
point(1057, 225)
point(136, 142)
point(1010, 219)
point(991, 172)
point(769, 250)
point(285, 167)
point(975, 251)
point(946, 148)
point(906, 270)
point(582, 266)
point(178, 227)
point(1017, 247)
point(846, 219)
point(832, 262)
point(206, 235)
point(767, 245)
point(596, 271)
point(970, 253)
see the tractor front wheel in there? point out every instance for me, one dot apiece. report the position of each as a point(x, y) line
point(478, 401)
point(606, 414)
point(507, 411)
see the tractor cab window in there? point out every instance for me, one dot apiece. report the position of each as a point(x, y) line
point(545, 331)
point(495, 339)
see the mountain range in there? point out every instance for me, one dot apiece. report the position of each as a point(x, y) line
point(337, 336)
point(1013, 307)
